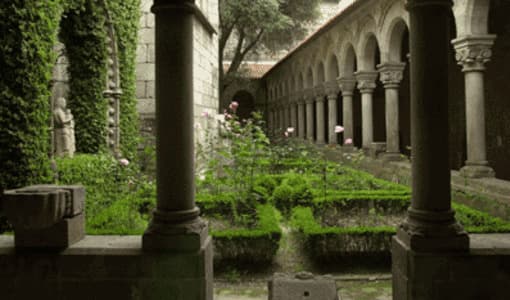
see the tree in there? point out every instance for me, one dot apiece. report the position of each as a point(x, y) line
point(255, 24)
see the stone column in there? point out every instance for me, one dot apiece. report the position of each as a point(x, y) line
point(366, 85)
point(332, 94)
point(472, 54)
point(430, 225)
point(309, 114)
point(176, 225)
point(391, 74)
point(347, 85)
point(293, 117)
point(320, 114)
point(269, 120)
point(281, 115)
point(301, 118)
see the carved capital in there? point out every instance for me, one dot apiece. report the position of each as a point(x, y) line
point(391, 74)
point(331, 88)
point(346, 85)
point(366, 80)
point(309, 94)
point(319, 91)
point(472, 52)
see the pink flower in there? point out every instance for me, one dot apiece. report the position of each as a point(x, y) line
point(123, 162)
point(286, 134)
point(234, 105)
point(348, 142)
point(290, 129)
point(228, 116)
point(205, 114)
point(339, 129)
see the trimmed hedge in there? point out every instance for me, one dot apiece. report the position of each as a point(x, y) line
point(334, 243)
point(250, 245)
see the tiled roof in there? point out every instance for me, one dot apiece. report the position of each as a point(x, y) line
point(253, 69)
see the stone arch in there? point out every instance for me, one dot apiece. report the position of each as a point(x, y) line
point(348, 63)
point(246, 103)
point(332, 67)
point(319, 73)
point(309, 78)
point(369, 52)
point(301, 81)
point(398, 31)
point(471, 17)
point(395, 21)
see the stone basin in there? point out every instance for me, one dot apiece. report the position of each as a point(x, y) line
point(34, 209)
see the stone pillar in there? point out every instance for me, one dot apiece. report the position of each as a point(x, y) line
point(366, 85)
point(281, 115)
point(269, 120)
point(332, 94)
point(347, 85)
point(320, 114)
point(430, 225)
point(430, 236)
point(391, 74)
point(472, 54)
point(176, 229)
point(309, 114)
point(301, 118)
point(293, 116)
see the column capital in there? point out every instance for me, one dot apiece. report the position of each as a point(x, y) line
point(308, 95)
point(346, 85)
point(366, 80)
point(331, 88)
point(391, 73)
point(473, 51)
point(319, 90)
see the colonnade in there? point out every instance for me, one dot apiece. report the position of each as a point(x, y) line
point(304, 110)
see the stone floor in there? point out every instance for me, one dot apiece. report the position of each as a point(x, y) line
point(355, 289)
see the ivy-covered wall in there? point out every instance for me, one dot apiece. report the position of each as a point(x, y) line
point(28, 32)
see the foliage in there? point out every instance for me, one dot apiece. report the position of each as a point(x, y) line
point(126, 19)
point(83, 33)
point(252, 25)
point(28, 32)
point(117, 201)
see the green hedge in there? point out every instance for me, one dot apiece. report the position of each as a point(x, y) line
point(117, 202)
point(258, 244)
point(333, 243)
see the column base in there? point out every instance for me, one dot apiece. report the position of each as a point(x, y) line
point(392, 156)
point(169, 237)
point(477, 171)
point(429, 231)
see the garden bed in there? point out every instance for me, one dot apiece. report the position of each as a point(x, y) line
point(334, 237)
point(254, 239)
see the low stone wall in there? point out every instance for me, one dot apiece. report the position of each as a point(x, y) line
point(481, 273)
point(104, 267)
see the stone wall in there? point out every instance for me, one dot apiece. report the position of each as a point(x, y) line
point(206, 71)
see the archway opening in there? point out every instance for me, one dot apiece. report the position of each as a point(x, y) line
point(246, 104)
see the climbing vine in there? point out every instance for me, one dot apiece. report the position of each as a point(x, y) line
point(28, 33)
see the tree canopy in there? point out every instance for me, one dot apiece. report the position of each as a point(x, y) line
point(254, 24)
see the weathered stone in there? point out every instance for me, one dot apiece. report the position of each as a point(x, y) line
point(46, 216)
point(303, 285)
point(63, 123)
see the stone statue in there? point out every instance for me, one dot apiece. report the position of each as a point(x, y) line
point(64, 129)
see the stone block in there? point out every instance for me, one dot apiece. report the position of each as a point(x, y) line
point(146, 72)
point(302, 286)
point(141, 53)
point(66, 232)
point(151, 53)
point(140, 89)
point(150, 89)
point(146, 36)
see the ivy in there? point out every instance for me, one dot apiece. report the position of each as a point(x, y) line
point(28, 33)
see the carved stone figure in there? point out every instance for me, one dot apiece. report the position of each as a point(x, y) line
point(64, 129)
